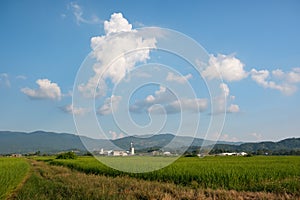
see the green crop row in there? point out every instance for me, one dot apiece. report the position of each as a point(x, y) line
point(279, 174)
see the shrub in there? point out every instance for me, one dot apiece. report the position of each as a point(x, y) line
point(67, 155)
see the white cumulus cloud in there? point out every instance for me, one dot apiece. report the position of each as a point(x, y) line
point(110, 46)
point(289, 77)
point(257, 136)
point(233, 108)
point(115, 135)
point(222, 101)
point(74, 110)
point(286, 83)
point(46, 90)
point(179, 79)
point(116, 24)
point(186, 104)
point(110, 104)
point(228, 67)
point(163, 101)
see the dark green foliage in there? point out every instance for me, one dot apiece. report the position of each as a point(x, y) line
point(68, 155)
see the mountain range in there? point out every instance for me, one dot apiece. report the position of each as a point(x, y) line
point(50, 142)
point(286, 146)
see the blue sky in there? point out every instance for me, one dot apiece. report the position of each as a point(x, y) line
point(49, 40)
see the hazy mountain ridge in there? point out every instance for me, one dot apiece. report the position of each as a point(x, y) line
point(280, 147)
point(50, 142)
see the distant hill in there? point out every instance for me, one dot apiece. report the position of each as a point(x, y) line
point(45, 142)
point(161, 140)
point(286, 146)
point(49, 142)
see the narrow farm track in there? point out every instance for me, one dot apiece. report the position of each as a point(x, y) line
point(57, 182)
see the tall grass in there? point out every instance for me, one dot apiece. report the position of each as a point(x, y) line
point(267, 174)
point(12, 172)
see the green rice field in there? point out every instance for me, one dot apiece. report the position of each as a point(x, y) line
point(278, 174)
point(12, 172)
point(257, 177)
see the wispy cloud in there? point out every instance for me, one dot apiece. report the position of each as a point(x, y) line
point(4, 80)
point(179, 79)
point(21, 77)
point(78, 14)
point(257, 136)
point(74, 110)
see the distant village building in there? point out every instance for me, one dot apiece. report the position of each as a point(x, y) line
point(101, 151)
point(119, 153)
point(242, 154)
point(167, 153)
point(131, 149)
point(16, 155)
point(233, 154)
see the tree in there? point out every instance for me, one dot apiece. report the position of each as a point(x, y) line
point(67, 155)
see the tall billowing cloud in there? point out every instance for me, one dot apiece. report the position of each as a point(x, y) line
point(108, 47)
point(116, 24)
point(227, 66)
point(46, 90)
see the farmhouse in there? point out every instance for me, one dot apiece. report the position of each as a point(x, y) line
point(167, 153)
point(16, 155)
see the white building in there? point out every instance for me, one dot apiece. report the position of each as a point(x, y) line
point(119, 153)
point(233, 154)
point(131, 149)
point(242, 154)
